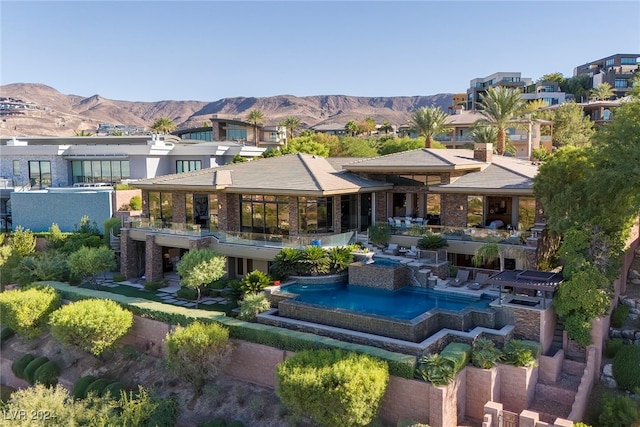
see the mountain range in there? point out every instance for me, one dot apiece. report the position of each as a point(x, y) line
point(33, 109)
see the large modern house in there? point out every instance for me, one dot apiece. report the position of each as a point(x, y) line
point(236, 130)
point(249, 211)
point(617, 70)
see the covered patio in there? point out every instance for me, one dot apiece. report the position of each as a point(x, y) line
point(543, 283)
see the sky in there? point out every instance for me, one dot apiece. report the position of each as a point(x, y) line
point(210, 50)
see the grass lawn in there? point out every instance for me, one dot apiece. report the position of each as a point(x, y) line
point(129, 291)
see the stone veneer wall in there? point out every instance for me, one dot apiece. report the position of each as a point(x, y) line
point(153, 259)
point(451, 214)
point(389, 278)
point(128, 255)
point(527, 321)
point(179, 206)
point(231, 207)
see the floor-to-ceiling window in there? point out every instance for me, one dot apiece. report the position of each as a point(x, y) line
point(315, 214)
point(110, 171)
point(160, 206)
point(349, 212)
point(40, 173)
point(475, 209)
point(264, 214)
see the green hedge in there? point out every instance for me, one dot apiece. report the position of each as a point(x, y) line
point(619, 315)
point(30, 370)
point(97, 387)
point(612, 346)
point(18, 365)
point(6, 334)
point(81, 385)
point(626, 367)
point(459, 353)
point(400, 365)
point(47, 374)
point(27, 311)
point(113, 390)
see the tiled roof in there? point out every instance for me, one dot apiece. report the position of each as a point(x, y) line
point(291, 174)
point(420, 160)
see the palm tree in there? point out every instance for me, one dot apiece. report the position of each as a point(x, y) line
point(82, 133)
point(292, 123)
point(256, 118)
point(429, 122)
point(386, 127)
point(602, 92)
point(484, 134)
point(501, 107)
point(163, 125)
point(351, 127)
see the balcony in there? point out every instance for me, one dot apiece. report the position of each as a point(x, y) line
point(472, 234)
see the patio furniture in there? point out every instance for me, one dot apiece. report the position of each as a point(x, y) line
point(480, 281)
point(391, 249)
point(460, 279)
point(413, 252)
point(398, 223)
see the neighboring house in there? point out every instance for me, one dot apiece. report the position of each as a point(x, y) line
point(478, 86)
point(249, 211)
point(549, 92)
point(599, 112)
point(236, 130)
point(618, 70)
point(331, 129)
point(28, 164)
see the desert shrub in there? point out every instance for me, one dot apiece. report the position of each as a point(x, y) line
point(47, 374)
point(187, 293)
point(113, 390)
point(520, 353)
point(612, 346)
point(314, 261)
point(618, 411)
point(626, 367)
point(286, 263)
point(431, 241)
point(97, 387)
point(6, 334)
point(485, 354)
point(333, 387)
point(18, 365)
point(154, 285)
point(55, 238)
point(135, 203)
point(255, 281)
point(380, 234)
point(339, 259)
point(252, 305)
point(93, 325)
point(30, 369)
point(459, 353)
point(119, 277)
point(198, 352)
point(165, 413)
point(436, 369)
point(619, 315)
point(27, 311)
point(81, 385)
point(22, 241)
point(51, 265)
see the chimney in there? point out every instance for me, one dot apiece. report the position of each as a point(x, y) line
point(483, 152)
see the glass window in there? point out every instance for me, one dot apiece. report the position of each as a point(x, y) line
point(188, 165)
point(40, 173)
point(110, 171)
point(264, 214)
point(628, 61)
point(188, 208)
point(609, 62)
point(16, 168)
point(154, 205)
point(315, 215)
point(620, 83)
point(433, 204)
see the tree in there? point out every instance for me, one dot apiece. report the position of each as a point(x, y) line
point(570, 126)
point(306, 144)
point(22, 241)
point(292, 123)
point(484, 134)
point(198, 352)
point(552, 77)
point(163, 125)
point(256, 118)
point(199, 267)
point(501, 107)
point(429, 122)
point(349, 146)
point(602, 92)
point(351, 127)
point(578, 86)
point(367, 126)
point(87, 263)
point(386, 127)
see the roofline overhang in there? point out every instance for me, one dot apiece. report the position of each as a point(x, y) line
point(485, 191)
point(413, 169)
point(248, 190)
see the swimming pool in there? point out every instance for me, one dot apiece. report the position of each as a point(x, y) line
point(405, 303)
point(384, 262)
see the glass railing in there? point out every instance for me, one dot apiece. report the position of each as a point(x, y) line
point(473, 234)
point(165, 227)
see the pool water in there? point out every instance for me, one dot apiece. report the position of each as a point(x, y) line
point(404, 303)
point(384, 262)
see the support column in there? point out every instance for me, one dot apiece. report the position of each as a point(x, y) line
point(153, 259)
point(128, 255)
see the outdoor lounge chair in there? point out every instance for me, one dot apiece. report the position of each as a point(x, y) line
point(413, 252)
point(391, 249)
point(461, 278)
point(480, 281)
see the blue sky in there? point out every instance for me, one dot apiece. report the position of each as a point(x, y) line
point(209, 50)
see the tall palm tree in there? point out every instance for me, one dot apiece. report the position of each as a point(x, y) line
point(602, 92)
point(429, 122)
point(163, 125)
point(501, 107)
point(484, 134)
point(351, 127)
point(292, 123)
point(256, 118)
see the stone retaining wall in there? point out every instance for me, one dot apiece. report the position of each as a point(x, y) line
point(389, 278)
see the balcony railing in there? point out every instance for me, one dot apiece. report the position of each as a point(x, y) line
point(473, 234)
point(243, 238)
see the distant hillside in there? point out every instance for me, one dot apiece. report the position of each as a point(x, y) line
point(51, 113)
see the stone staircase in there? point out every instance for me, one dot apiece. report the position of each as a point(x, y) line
point(554, 399)
point(558, 338)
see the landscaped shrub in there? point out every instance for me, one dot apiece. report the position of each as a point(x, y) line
point(619, 315)
point(187, 293)
point(27, 311)
point(339, 259)
point(81, 385)
point(618, 411)
point(314, 261)
point(154, 285)
point(252, 305)
point(119, 277)
point(135, 203)
point(97, 387)
point(436, 369)
point(113, 390)
point(18, 365)
point(612, 346)
point(30, 369)
point(333, 387)
point(626, 367)
point(235, 423)
point(380, 234)
point(6, 334)
point(286, 263)
point(216, 422)
point(403, 422)
point(459, 353)
point(93, 325)
point(47, 374)
point(87, 262)
point(255, 281)
point(198, 352)
point(22, 241)
point(432, 242)
point(520, 353)
point(50, 265)
point(485, 354)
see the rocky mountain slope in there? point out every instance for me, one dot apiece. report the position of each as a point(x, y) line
point(31, 109)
